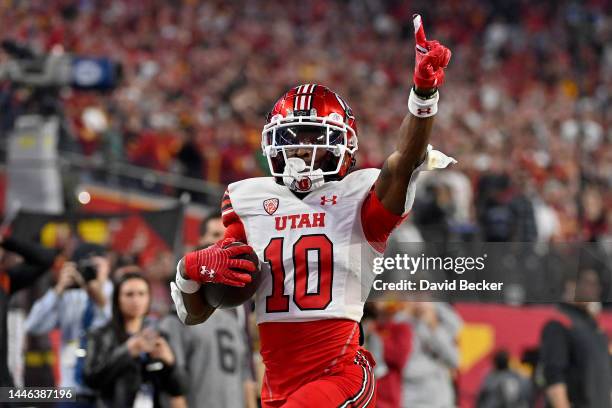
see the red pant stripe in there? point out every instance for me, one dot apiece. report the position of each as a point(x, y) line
point(362, 391)
point(368, 385)
point(365, 399)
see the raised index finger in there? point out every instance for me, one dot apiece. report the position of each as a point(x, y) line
point(419, 32)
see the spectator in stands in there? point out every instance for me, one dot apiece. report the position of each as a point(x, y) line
point(14, 277)
point(372, 341)
point(396, 337)
point(574, 353)
point(159, 271)
point(504, 387)
point(79, 301)
point(536, 96)
point(431, 213)
point(505, 214)
point(211, 229)
point(191, 160)
point(454, 198)
point(428, 376)
point(128, 362)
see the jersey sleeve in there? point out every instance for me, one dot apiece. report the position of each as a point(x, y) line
point(232, 222)
point(377, 221)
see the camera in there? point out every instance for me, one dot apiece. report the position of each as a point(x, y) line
point(58, 69)
point(151, 332)
point(88, 269)
point(84, 258)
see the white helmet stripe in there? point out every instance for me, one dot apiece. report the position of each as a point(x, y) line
point(305, 100)
point(309, 102)
point(295, 99)
point(304, 97)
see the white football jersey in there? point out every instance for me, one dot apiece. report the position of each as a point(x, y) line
point(313, 248)
point(317, 259)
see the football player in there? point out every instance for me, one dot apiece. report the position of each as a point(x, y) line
point(314, 223)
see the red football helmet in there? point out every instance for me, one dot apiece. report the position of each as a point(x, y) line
point(311, 117)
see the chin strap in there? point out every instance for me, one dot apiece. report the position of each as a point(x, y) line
point(296, 181)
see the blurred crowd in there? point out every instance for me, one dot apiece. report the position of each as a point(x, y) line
point(525, 110)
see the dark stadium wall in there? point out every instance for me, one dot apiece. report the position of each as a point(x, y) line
point(108, 200)
point(103, 200)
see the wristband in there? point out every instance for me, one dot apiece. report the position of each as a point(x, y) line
point(177, 298)
point(185, 285)
point(423, 107)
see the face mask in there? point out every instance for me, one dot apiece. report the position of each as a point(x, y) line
point(299, 182)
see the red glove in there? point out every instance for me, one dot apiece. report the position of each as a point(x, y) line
point(218, 264)
point(431, 58)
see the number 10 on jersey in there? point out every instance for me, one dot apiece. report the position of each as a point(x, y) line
point(305, 298)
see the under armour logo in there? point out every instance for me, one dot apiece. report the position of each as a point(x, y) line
point(424, 111)
point(332, 200)
point(210, 274)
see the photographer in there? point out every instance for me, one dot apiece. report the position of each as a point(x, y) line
point(78, 302)
point(128, 363)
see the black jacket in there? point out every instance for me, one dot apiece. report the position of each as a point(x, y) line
point(117, 376)
point(36, 261)
point(574, 351)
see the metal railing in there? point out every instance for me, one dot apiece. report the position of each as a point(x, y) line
point(118, 173)
point(124, 169)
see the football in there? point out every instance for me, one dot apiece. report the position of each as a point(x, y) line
point(225, 296)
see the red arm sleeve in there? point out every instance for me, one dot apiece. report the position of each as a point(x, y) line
point(233, 225)
point(377, 221)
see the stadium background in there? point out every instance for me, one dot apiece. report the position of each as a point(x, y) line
point(525, 111)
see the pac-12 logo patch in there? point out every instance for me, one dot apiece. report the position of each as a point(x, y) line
point(270, 205)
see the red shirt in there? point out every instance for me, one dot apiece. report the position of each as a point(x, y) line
point(397, 343)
